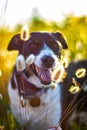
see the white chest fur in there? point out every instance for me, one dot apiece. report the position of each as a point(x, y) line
point(37, 118)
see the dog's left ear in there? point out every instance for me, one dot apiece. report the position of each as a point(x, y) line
point(59, 37)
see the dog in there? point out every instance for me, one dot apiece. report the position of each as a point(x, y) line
point(34, 102)
point(74, 103)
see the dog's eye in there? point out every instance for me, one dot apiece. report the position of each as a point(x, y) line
point(54, 46)
point(34, 46)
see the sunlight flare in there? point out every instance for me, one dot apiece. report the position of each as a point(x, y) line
point(58, 73)
point(80, 73)
point(74, 89)
point(0, 72)
point(1, 97)
point(24, 33)
point(65, 63)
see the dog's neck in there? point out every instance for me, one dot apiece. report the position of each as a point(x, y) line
point(27, 90)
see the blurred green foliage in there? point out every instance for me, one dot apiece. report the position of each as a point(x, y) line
point(73, 28)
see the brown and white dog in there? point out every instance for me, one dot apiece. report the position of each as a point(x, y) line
point(33, 101)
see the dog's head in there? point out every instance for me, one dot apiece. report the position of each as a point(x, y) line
point(45, 49)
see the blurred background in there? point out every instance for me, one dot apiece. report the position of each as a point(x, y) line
point(69, 17)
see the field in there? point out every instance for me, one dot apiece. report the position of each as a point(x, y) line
point(75, 31)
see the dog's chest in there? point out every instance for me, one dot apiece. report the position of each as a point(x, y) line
point(41, 117)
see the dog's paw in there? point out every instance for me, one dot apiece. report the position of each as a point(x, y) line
point(20, 63)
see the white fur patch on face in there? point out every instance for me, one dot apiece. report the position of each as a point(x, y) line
point(30, 59)
point(45, 51)
point(20, 63)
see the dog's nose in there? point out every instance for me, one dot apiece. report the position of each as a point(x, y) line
point(47, 61)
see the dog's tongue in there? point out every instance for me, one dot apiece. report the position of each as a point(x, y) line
point(44, 75)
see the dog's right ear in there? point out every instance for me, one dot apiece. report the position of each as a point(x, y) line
point(59, 37)
point(16, 43)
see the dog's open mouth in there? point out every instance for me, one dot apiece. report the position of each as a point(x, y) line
point(44, 74)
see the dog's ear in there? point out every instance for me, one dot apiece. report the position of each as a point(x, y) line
point(59, 37)
point(16, 43)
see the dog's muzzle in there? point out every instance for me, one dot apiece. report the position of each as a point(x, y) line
point(44, 74)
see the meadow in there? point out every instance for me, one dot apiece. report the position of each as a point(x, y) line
point(75, 31)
